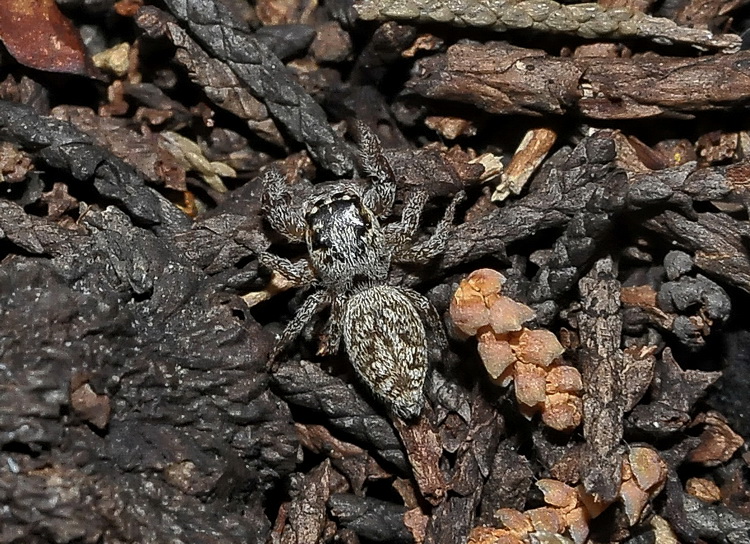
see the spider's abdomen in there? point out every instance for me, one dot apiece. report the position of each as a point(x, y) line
point(387, 345)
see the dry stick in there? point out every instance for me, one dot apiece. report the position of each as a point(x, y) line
point(504, 79)
point(585, 20)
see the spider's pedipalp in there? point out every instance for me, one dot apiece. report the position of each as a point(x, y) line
point(277, 206)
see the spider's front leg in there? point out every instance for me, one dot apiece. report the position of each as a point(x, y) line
point(298, 273)
point(284, 217)
point(312, 305)
point(381, 194)
point(422, 252)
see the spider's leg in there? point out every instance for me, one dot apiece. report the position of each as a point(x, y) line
point(332, 339)
point(277, 206)
point(380, 195)
point(299, 273)
point(312, 305)
point(435, 244)
point(400, 234)
point(428, 313)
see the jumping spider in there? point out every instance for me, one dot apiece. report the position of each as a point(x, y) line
point(350, 255)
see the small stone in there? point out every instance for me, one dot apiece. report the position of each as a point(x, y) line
point(91, 407)
point(538, 347)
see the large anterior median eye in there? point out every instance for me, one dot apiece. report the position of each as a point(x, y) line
point(340, 224)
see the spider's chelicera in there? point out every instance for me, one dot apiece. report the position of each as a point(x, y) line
point(383, 327)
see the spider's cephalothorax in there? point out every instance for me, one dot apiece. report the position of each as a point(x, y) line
point(384, 327)
point(344, 239)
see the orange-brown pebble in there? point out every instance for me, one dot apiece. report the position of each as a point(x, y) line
point(538, 347)
point(562, 411)
point(515, 521)
point(557, 493)
point(470, 306)
point(531, 383)
point(648, 469)
point(593, 506)
point(546, 519)
point(578, 525)
point(564, 379)
point(491, 535)
point(507, 315)
point(497, 356)
point(634, 499)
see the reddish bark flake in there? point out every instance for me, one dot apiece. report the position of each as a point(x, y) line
point(39, 36)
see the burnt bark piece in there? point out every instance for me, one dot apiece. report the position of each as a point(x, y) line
point(306, 515)
point(229, 40)
point(674, 394)
point(601, 360)
point(60, 145)
point(119, 309)
point(503, 79)
point(716, 240)
point(424, 450)
point(570, 183)
point(144, 152)
point(68, 504)
point(453, 519)
point(372, 519)
point(306, 385)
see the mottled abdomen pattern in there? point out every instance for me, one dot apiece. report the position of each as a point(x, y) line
point(387, 345)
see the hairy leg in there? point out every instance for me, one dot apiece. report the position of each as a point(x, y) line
point(298, 273)
point(435, 244)
point(332, 339)
point(312, 305)
point(400, 235)
point(380, 195)
point(283, 216)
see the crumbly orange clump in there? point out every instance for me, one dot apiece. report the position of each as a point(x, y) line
point(513, 353)
point(569, 509)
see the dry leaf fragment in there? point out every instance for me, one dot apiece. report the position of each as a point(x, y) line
point(39, 36)
point(704, 489)
point(532, 150)
point(718, 441)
